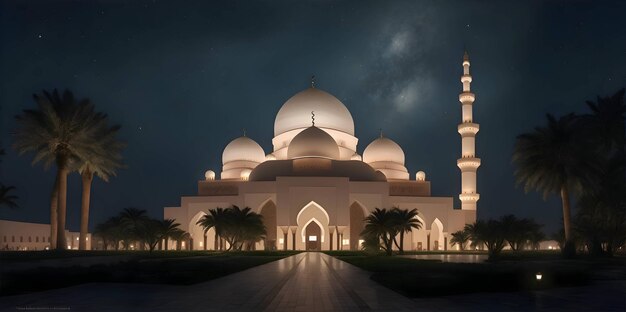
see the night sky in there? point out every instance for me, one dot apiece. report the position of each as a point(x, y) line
point(184, 78)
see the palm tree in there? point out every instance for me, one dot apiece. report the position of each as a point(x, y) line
point(60, 131)
point(168, 229)
point(551, 160)
point(242, 226)
point(152, 231)
point(111, 231)
point(6, 199)
point(132, 219)
point(460, 238)
point(606, 123)
point(102, 161)
point(209, 221)
point(380, 224)
point(405, 221)
point(179, 235)
point(491, 232)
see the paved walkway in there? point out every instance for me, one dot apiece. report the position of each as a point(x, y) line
point(304, 282)
point(307, 282)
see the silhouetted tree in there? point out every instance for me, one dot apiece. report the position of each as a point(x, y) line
point(552, 160)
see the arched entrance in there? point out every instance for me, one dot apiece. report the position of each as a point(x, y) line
point(312, 213)
point(419, 237)
point(200, 241)
point(268, 212)
point(357, 217)
point(313, 234)
point(436, 235)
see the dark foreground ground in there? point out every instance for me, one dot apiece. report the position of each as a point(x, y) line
point(25, 272)
point(514, 272)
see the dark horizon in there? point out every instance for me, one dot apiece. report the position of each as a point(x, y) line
point(183, 81)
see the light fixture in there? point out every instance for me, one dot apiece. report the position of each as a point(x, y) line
point(538, 276)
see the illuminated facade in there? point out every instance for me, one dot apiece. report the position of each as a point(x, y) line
point(314, 189)
point(15, 235)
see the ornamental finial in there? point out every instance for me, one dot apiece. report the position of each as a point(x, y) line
point(313, 81)
point(313, 118)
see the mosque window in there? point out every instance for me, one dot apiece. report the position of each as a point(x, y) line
point(30, 239)
point(36, 239)
point(12, 239)
point(21, 239)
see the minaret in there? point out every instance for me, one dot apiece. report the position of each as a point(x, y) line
point(468, 163)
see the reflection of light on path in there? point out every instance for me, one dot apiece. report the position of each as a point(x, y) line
point(454, 258)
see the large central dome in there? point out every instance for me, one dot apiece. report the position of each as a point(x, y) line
point(330, 113)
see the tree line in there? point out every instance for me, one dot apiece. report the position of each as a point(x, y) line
point(134, 226)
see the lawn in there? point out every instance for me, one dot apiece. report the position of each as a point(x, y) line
point(178, 268)
point(427, 278)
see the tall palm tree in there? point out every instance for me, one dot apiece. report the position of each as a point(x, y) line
point(405, 221)
point(460, 238)
point(607, 123)
point(102, 161)
point(380, 224)
point(551, 160)
point(60, 131)
point(6, 199)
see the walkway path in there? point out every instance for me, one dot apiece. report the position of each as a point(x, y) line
point(304, 282)
point(307, 282)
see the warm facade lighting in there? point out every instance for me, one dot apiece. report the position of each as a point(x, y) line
point(538, 276)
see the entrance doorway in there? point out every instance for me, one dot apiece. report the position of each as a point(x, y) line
point(313, 237)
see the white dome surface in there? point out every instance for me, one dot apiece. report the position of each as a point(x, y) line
point(313, 142)
point(243, 148)
point(329, 113)
point(383, 149)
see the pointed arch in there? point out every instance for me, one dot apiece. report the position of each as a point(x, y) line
point(313, 212)
point(436, 234)
point(269, 212)
point(310, 205)
point(357, 224)
point(303, 229)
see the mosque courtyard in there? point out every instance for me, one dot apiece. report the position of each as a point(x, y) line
point(309, 281)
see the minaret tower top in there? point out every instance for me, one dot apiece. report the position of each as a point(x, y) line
point(468, 163)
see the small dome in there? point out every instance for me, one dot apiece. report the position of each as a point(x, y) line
point(243, 148)
point(420, 176)
point(313, 142)
point(209, 175)
point(383, 149)
point(356, 156)
point(329, 112)
point(270, 157)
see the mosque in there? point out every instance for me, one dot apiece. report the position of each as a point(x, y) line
point(315, 189)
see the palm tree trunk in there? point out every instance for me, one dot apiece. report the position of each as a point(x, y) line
point(401, 247)
point(566, 214)
point(167, 243)
point(87, 177)
point(54, 201)
point(62, 201)
point(215, 242)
